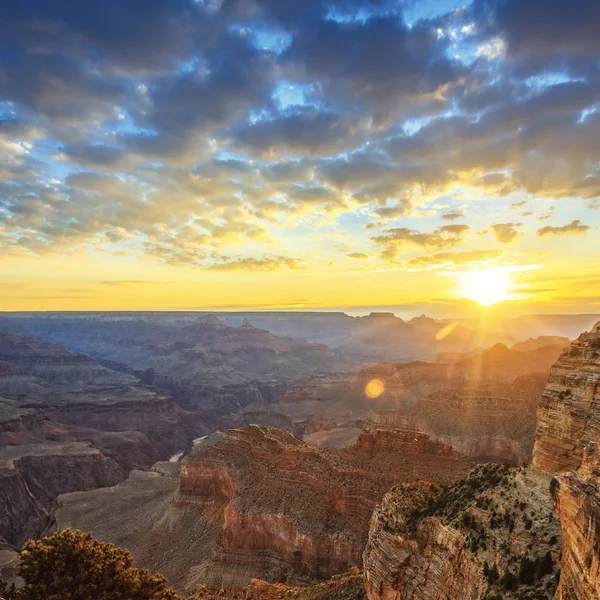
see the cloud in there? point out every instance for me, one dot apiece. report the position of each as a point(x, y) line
point(191, 132)
point(393, 240)
point(402, 207)
point(472, 258)
point(300, 132)
point(272, 263)
point(358, 255)
point(506, 232)
point(453, 215)
point(575, 227)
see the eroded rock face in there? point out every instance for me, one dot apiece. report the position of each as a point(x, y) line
point(568, 416)
point(261, 503)
point(486, 424)
point(31, 478)
point(306, 509)
point(577, 500)
point(492, 533)
point(67, 423)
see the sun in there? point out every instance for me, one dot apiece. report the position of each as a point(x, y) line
point(486, 286)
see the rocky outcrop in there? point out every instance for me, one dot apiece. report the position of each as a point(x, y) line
point(577, 500)
point(261, 503)
point(490, 535)
point(568, 416)
point(346, 586)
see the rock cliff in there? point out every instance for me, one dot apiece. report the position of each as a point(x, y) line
point(568, 416)
point(491, 535)
point(32, 477)
point(261, 503)
point(577, 500)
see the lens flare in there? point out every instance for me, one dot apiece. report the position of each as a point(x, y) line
point(374, 388)
point(445, 331)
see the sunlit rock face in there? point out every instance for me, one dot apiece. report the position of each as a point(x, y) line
point(261, 503)
point(569, 412)
point(577, 500)
point(470, 540)
point(301, 513)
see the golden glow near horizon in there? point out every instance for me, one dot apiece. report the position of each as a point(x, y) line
point(486, 287)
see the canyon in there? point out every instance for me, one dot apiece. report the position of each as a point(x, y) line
point(258, 503)
point(67, 423)
point(495, 534)
point(334, 477)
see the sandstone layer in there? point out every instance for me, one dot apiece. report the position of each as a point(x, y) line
point(577, 500)
point(261, 503)
point(491, 535)
point(568, 415)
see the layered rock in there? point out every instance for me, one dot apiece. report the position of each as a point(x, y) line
point(486, 424)
point(261, 503)
point(491, 535)
point(568, 415)
point(32, 477)
point(577, 500)
point(67, 423)
point(211, 369)
point(346, 586)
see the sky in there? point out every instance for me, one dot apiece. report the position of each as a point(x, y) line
point(424, 156)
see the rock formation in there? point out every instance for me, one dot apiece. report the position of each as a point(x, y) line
point(577, 500)
point(209, 368)
point(67, 423)
point(494, 423)
point(569, 413)
point(32, 477)
point(347, 586)
point(491, 535)
point(260, 503)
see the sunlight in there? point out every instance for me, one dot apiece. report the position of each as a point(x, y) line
point(488, 286)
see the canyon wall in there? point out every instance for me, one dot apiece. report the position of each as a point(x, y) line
point(491, 535)
point(568, 415)
point(577, 500)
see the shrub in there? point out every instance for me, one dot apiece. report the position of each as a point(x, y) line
point(71, 565)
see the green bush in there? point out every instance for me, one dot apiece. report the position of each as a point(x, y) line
point(71, 565)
